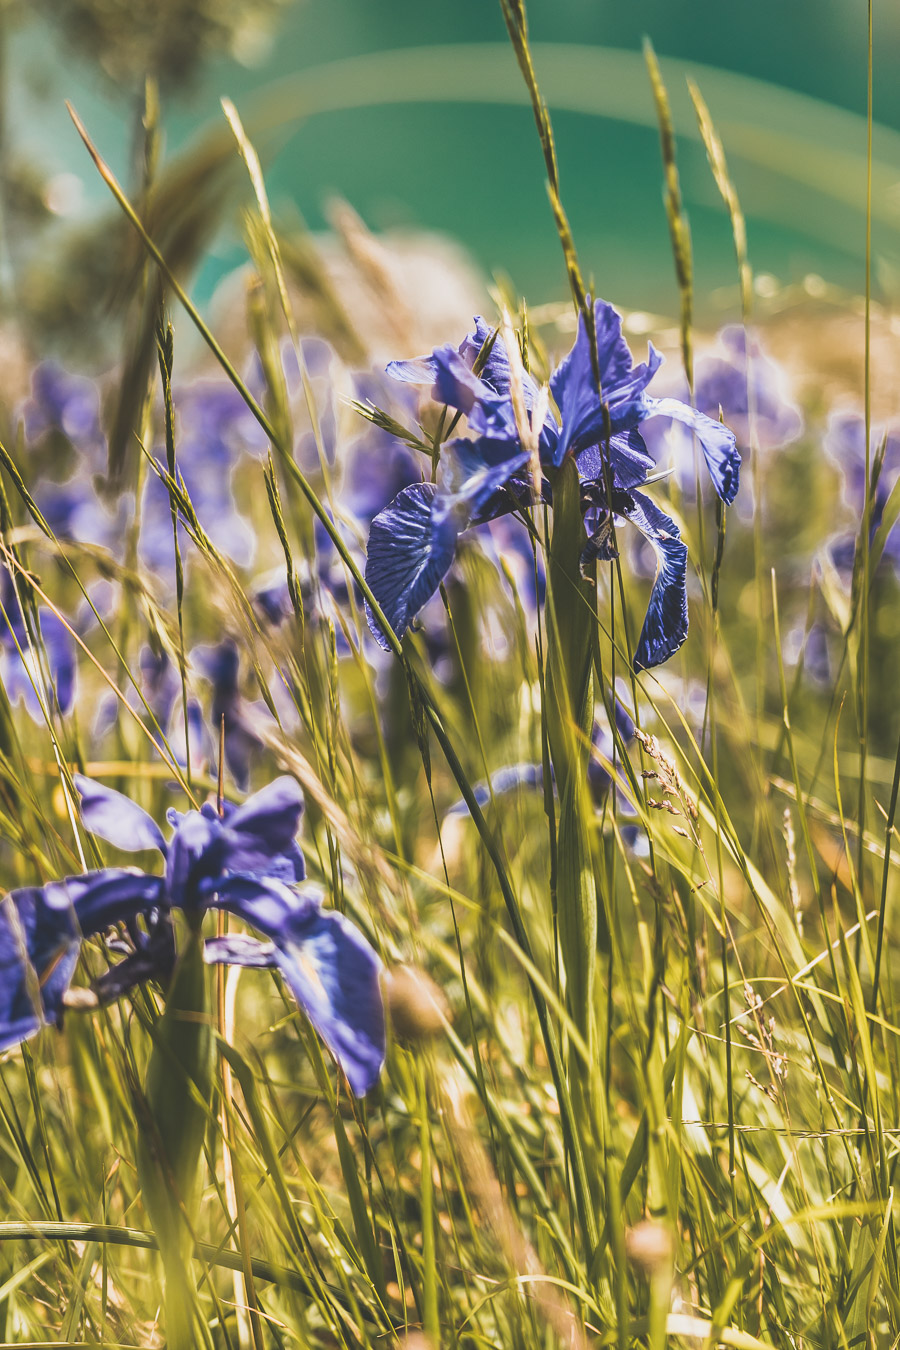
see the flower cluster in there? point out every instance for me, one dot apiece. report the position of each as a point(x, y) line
point(245, 862)
point(413, 541)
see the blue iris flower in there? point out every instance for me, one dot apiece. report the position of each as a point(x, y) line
point(245, 862)
point(412, 543)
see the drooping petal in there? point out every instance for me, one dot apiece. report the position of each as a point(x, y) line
point(666, 621)
point(472, 472)
point(489, 413)
point(106, 897)
point(411, 547)
point(117, 819)
point(723, 459)
point(237, 949)
point(419, 370)
point(329, 966)
point(261, 833)
point(629, 461)
point(39, 946)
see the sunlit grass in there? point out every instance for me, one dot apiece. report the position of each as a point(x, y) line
point(693, 1143)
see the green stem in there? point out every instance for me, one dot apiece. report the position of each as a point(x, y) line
point(178, 1091)
point(570, 623)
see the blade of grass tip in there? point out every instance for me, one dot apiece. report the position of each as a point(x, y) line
point(863, 670)
point(715, 153)
point(680, 236)
point(254, 169)
point(516, 19)
point(166, 355)
point(587, 1218)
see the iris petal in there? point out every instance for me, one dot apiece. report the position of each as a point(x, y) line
point(503, 781)
point(329, 966)
point(629, 461)
point(60, 648)
point(39, 947)
point(666, 621)
point(495, 371)
point(717, 442)
point(117, 819)
point(411, 547)
point(586, 419)
point(109, 896)
point(472, 472)
point(261, 832)
point(419, 370)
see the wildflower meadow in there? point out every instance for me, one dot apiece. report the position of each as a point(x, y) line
point(449, 755)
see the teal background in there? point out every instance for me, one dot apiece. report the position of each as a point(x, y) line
point(475, 170)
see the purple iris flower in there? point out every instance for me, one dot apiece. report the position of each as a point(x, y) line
point(378, 466)
point(245, 862)
point(221, 666)
point(845, 444)
point(68, 405)
point(208, 482)
point(21, 674)
point(412, 543)
point(722, 380)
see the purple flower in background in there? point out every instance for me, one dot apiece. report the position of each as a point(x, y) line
point(845, 444)
point(160, 688)
point(377, 465)
point(221, 666)
point(74, 510)
point(246, 862)
point(722, 381)
point(25, 674)
point(66, 404)
point(215, 424)
point(412, 543)
point(208, 484)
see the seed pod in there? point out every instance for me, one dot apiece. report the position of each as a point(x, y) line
point(416, 1006)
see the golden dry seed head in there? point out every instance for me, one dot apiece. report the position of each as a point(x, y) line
point(649, 1246)
point(416, 1006)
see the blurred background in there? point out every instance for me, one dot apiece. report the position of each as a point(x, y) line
point(416, 115)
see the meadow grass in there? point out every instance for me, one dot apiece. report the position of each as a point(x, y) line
point(634, 1095)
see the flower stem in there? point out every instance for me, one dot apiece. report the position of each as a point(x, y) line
point(177, 1093)
point(571, 617)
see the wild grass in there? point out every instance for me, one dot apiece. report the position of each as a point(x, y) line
point(693, 1141)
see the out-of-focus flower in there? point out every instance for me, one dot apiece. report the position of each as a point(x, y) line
point(845, 444)
point(25, 672)
point(221, 666)
point(68, 405)
point(244, 861)
point(723, 381)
